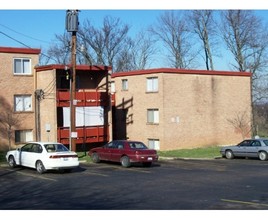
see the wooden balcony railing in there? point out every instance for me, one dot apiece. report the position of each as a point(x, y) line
point(85, 98)
point(85, 134)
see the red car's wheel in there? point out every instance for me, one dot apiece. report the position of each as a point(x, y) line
point(125, 162)
point(95, 158)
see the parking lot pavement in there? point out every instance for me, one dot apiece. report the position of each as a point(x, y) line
point(168, 185)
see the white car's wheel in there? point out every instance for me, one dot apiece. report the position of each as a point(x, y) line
point(11, 161)
point(229, 154)
point(262, 155)
point(40, 167)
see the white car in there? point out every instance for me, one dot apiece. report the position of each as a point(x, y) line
point(43, 156)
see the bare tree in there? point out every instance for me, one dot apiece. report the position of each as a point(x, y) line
point(95, 45)
point(59, 52)
point(92, 40)
point(104, 44)
point(125, 58)
point(137, 53)
point(174, 33)
point(143, 50)
point(241, 123)
point(244, 36)
point(202, 23)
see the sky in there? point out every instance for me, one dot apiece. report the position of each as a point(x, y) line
point(35, 23)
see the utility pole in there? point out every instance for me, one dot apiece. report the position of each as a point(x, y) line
point(72, 26)
point(39, 95)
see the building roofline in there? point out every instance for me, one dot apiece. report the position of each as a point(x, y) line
point(78, 67)
point(20, 50)
point(180, 71)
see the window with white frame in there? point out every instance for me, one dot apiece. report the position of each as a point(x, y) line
point(22, 103)
point(112, 87)
point(152, 84)
point(85, 116)
point(22, 136)
point(124, 84)
point(153, 116)
point(22, 66)
point(154, 144)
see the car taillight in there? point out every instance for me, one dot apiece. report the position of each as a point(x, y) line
point(62, 156)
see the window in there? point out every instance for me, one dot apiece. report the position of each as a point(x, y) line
point(153, 116)
point(36, 148)
point(22, 66)
point(84, 116)
point(124, 84)
point(23, 103)
point(22, 136)
point(152, 84)
point(256, 143)
point(154, 144)
point(112, 87)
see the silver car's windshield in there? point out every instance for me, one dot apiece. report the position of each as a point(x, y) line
point(265, 142)
point(245, 143)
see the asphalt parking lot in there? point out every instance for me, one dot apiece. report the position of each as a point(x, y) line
point(218, 184)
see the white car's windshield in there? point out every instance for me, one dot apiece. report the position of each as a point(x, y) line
point(55, 148)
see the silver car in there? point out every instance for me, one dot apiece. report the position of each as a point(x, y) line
point(257, 148)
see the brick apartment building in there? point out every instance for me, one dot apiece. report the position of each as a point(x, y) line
point(35, 100)
point(17, 94)
point(164, 108)
point(173, 108)
point(93, 102)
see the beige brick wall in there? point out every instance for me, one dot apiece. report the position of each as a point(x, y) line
point(194, 110)
point(11, 85)
point(46, 80)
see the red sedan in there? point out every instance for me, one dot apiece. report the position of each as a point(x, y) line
point(124, 151)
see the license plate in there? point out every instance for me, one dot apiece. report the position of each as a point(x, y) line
point(65, 159)
point(149, 158)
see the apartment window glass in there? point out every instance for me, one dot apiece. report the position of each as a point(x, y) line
point(23, 103)
point(124, 84)
point(112, 87)
point(22, 136)
point(153, 116)
point(22, 66)
point(154, 144)
point(152, 84)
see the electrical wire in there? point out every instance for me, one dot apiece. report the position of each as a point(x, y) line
point(24, 34)
point(26, 45)
point(14, 39)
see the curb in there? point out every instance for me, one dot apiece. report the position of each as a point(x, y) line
point(187, 158)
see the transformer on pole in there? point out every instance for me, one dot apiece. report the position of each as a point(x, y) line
point(72, 26)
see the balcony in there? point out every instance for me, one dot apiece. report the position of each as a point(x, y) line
point(85, 98)
point(85, 134)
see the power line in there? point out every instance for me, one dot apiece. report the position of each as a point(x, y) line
point(25, 45)
point(24, 34)
point(14, 39)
